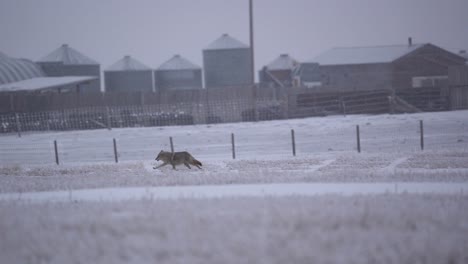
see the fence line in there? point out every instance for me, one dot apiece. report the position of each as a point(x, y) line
point(304, 104)
point(233, 148)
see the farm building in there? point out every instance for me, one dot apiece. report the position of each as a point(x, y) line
point(227, 62)
point(386, 67)
point(278, 73)
point(66, 61)
point(22, 75)
point(178, 73)
point(128, 74)
point(307, 75)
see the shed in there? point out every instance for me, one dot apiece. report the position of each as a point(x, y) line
point(128, 74)
point(178, 73)
point(279, 72)
point(227, 62)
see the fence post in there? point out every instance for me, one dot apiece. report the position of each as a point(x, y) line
point(233, 146)
point(56, 152)
point(358, 139)
point(421, 130)
point(115, 151)
point(172, 145)
point(18, 124)
point(293, 142)
point(109, 126)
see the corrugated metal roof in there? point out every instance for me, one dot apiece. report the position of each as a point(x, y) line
point(40, 83)
point(226, 42)
point(178, 63)
point(69, 56)
point(365, 55)
point(127, 63)
point(283, 62)
point(13, 70)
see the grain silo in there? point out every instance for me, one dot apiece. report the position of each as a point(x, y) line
point(227, 62)
point(279, 72)
point(178, 73)
point(128, 74)
point(66, 61)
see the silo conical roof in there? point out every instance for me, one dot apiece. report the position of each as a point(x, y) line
point(127, 63)
point(69, 56)
point(178, 63)
point(283, 62)
point(226, 42)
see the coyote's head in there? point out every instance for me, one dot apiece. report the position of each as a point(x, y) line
point(159, 155)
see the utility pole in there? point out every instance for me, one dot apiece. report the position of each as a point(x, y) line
point(251, 40)
point(252, 64)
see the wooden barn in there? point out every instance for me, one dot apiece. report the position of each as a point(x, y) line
point(386, 67)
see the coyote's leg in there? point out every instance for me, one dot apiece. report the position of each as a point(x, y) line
point(197, 166)
point(164, 164)
point(173, 166)
point(187, 165)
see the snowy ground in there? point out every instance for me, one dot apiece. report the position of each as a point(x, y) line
point(323, 229)
point(391, 228)
point(433, 166)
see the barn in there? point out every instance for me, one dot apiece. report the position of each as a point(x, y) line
point(128, 74)
point(386, 67)
point(178, 73)
point(66, 61)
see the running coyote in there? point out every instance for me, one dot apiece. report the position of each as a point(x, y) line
point(177, 158)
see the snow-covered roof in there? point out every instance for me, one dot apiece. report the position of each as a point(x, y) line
point(226, 42)
point(40, 83)
point(69, 56)
point(283, 62)
point(178, 63)
point(127, 63)
point(14, 70)
point(365, 55)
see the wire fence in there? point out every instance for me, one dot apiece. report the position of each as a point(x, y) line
point(278, 139)
point(143, 116)
point(296, 103)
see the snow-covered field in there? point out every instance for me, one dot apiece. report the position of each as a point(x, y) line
point(323, 229)
point(395, 227)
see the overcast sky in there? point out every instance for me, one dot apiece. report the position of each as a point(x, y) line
point(154, 30)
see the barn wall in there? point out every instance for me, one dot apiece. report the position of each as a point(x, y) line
point(359, 77)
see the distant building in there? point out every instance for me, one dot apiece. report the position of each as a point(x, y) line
point(278, 73)
point(178, 74)
point(386, 67)
point(22, 75)
point(66, 61)
point(14, 70)
point(128, 74)
point(227, 62)
point(307, 75)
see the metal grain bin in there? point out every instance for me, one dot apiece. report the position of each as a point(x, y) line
point(128, 74)
point(227, 62)
point(66, 61)
point(178, 74)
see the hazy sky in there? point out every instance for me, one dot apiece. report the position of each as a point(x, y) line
point(154, 30)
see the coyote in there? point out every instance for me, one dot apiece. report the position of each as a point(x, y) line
point(177, 158)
